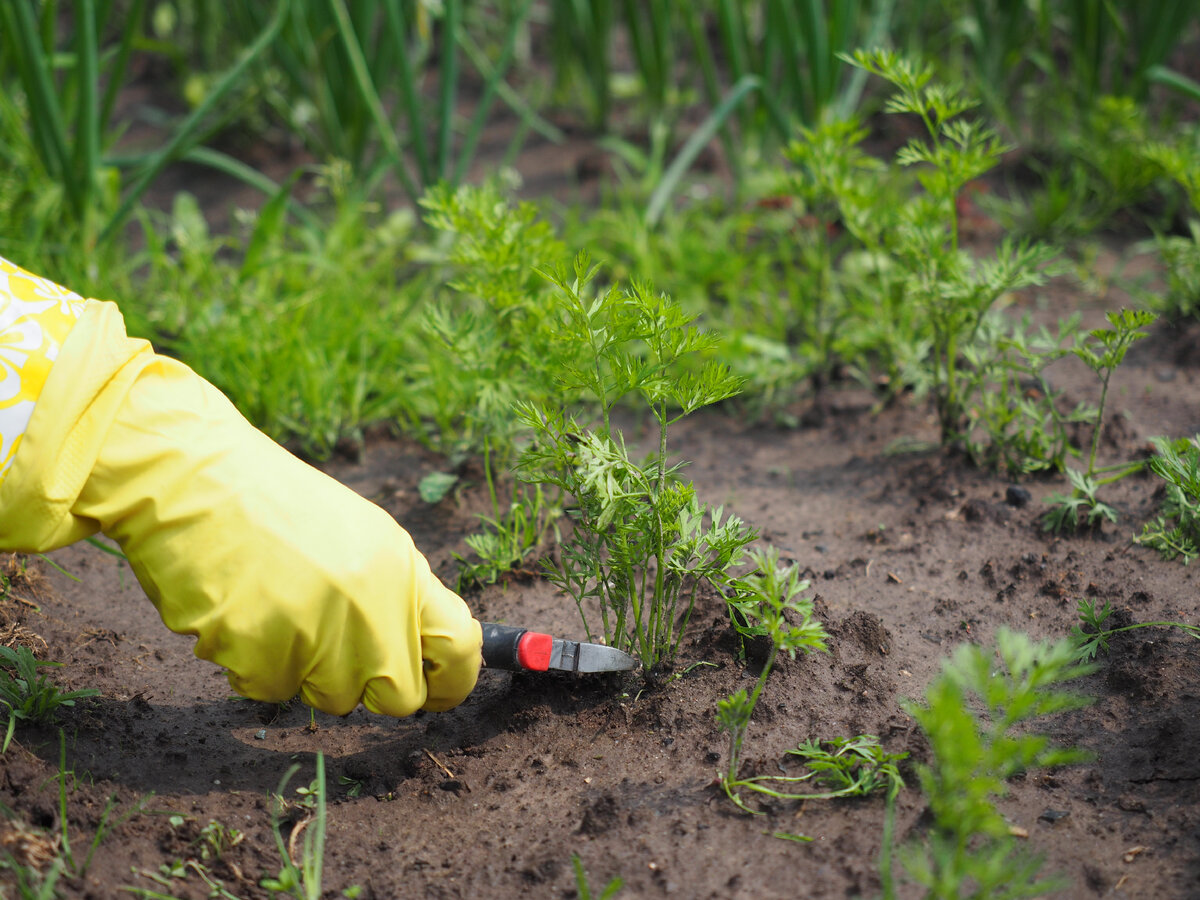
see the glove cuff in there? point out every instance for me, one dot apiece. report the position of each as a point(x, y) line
point(95, 369)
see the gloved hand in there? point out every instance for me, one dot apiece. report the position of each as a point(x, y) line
point(289, 580)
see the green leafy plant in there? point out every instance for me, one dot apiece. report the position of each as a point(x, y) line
point(68, 138)
point(496, 346)
point(1103, 352)
point(642, 543)
point(507, 542)
point(1092, 636)
point(211, 842)
point(1017, 425)
point(29, 695)
point(953, 291)
point(303, 327)
point(1176, 531)
point(768, 602)
point(1179, 160)
point(972, 716)
point(337, 67)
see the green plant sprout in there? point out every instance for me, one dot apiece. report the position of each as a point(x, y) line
point(1092, 637)
point(1176, 531)
point(32, 884)
point(212, 842)
point(1102, 353)
point(766, 602)
point(840, 767)
point(55, 853)
point(499, 348)
point(302, 881)
point(1016, 425)
point(972, 716)
point(953, 291)
point(30, 696)
point(1179, 160)
point(642, 543)
point(584, 890)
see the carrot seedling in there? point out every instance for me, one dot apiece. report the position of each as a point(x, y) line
point(973, 717)
point(1103, 353)
point(767, 602)
point(1092, 637)
point(642, 544)
point(1176, 531)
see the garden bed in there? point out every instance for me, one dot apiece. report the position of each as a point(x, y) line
point(910, 554)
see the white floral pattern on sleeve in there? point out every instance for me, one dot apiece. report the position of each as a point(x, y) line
point(35, 317)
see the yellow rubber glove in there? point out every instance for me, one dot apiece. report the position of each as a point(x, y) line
point(289, 580)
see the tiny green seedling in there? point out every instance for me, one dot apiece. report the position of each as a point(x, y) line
point(1102, 353)
point(841, 767)
point(1092, 637)
point(953, 291)
point(354, 786)
point(768, 601)
point(301, 880)
point(584, 890)
point(1175, 532)
point(31, 696)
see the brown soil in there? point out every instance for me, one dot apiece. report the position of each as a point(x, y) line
point(909, 554)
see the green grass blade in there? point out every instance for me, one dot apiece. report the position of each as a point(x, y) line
point(1174, 80)
point(44, 109)
point(366, 90)
point(191, 125)
point(694, 144)
point(489, 90)
point(711, 81)
point(87, 137)
point(881, 22)
point(815, 29)
point(398, 28)
point(447, 83)
point(229, 165)
point(120, 64)
point(525, 112)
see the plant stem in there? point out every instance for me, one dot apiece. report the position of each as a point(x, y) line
point(735, 754)
point(1091, 469)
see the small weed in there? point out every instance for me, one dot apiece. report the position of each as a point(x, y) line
point(303, 880)
point(509, 538)
point(584, 890)
point(1179, 160)
point(1069, 511)
point(1016, 424)
point(1176, 531)
point(841, 767)
point(215, 839)
point(354, 786)
point(1092, 637)
point(30, 696)
point(1103, 352)
point(970, 716)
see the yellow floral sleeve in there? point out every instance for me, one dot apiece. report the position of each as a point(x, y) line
point(35, 318)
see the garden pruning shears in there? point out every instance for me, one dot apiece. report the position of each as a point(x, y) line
point(521, 650)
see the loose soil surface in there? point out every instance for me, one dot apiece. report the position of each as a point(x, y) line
point(909, 555)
